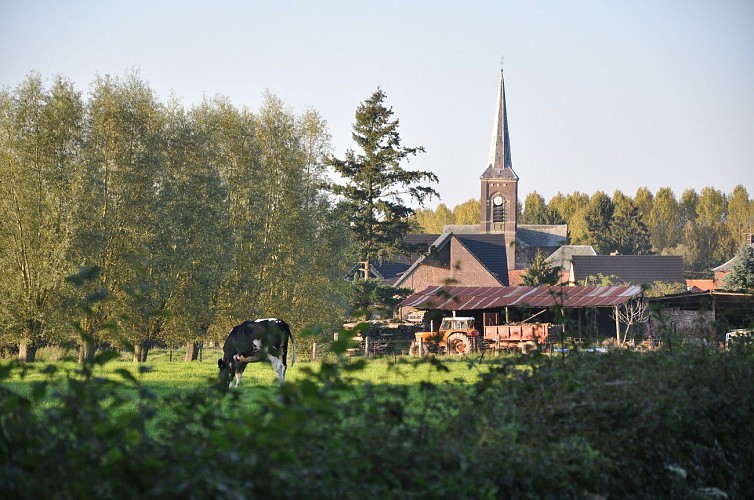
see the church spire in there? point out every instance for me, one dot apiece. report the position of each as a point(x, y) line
point(499, 164)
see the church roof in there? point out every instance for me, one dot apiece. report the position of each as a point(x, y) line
point(542, 235)
point(499, 164)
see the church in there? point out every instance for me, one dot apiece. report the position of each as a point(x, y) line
point(487, 254)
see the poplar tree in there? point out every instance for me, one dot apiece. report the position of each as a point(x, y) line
point(467, 212)
point(376, 188)
point(664, 222)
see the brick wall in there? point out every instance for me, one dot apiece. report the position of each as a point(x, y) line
point(692, 324)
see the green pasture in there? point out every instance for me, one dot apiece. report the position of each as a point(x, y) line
point(166, 373)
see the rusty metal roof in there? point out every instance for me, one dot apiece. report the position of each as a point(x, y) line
point(465, 298)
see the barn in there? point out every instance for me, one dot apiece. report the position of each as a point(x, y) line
point(586, 312)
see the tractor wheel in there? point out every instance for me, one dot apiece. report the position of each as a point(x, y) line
point(458, 344)
point(414, 349)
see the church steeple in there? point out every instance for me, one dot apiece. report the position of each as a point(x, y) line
point(499, 164)
point(499, 198)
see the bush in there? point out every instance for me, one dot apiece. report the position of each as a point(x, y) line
point(621, 424)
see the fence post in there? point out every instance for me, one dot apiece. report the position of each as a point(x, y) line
point(497, 343)
point(366, 347)
point(314, 351)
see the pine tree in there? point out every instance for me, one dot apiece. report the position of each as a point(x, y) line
point(376, 186)
point(541, 272)
point(741, 277)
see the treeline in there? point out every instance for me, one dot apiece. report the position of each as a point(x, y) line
point(177, 222)
point(704, 228)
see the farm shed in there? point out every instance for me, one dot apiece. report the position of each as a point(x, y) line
point(583, 310)
point(699, 314)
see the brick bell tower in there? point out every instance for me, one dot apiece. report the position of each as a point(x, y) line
point(500, 183)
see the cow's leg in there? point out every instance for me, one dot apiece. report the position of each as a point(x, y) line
point(239, 373)
point(279, 367)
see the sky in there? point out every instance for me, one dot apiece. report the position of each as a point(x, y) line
point(601, 95)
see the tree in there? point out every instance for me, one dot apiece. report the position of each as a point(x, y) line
point(40, 138)
point(664, 221)
point(710, 233)
point(598, 216)
point(566, 207)
point(740, 214)
point(370, 299)
point(535, 210)
point(195, 228)
point(120, 218)
point(376, 186)
point(644, 201)
point(741, 277)
point(433, 221)
point(467, 213)
point(631, 313)
point(628, 233)
point(540, 272)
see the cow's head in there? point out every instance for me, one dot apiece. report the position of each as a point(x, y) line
point(227, 370)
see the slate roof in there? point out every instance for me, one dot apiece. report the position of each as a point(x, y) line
point(489, 250)
point(467, 298)
point(563, 255)
point(391, 270)
point(636, 269)
point(541, 235)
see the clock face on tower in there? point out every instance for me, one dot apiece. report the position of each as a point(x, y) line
point(497, 201)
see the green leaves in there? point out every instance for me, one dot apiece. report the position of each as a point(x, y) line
point(376, 187)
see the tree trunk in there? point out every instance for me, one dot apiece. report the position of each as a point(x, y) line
point(140, 352)
point(26, 353)
point(86, 351)
point(192, 351)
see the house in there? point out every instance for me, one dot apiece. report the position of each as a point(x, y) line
point(634, 269)
point(461, 259)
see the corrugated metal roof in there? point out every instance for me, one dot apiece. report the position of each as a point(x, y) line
point(458, 298)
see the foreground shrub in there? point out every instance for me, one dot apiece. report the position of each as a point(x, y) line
point(623, 425)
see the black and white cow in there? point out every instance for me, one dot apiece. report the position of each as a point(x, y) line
point(254, 341)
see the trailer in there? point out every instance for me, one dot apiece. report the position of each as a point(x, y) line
point(526, 337)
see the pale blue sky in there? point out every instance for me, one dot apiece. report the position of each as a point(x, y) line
point(602, 95)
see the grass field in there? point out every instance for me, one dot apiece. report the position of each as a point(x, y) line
point(164, 375)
